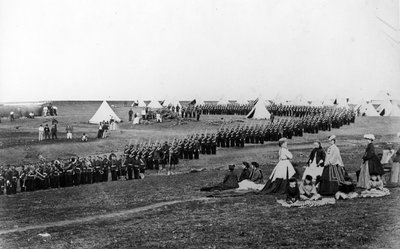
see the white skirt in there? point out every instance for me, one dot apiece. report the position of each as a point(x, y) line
point(280, 170)
point(249, 185)
point(313, 171)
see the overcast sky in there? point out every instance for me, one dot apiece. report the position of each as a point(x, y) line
point(96, 49)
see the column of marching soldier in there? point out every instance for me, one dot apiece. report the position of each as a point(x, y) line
point(159, 155)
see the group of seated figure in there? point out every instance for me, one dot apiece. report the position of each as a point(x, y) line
point(324, 175)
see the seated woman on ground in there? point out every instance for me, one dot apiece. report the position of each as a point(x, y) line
point(230, 181)
point(257, 175)
point(375, 187)
point(346, 190)
point(292, 192)
point(246, 173)
point(251, 177)
point(308, 191)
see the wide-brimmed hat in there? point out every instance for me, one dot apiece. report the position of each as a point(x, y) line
point(246, 164)
point(369, 137)
point(282, 140)
point(231, 166)
point(331, 137)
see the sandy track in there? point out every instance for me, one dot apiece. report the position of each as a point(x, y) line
point(100, 217)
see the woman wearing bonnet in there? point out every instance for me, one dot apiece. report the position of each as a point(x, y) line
point(334, 172)
point(371, 163)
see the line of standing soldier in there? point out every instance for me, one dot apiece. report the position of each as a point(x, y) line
point(238, 136)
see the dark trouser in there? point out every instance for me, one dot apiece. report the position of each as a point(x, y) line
point(113, 175)
point(69, 180)
point(213, 150)
point(96, 176)
point(77, 179)
point(89, 179)
point(130, 172)
point(156, 164)
point(136, 172)
point(196, 154)
point(105, 175)
point(185, 154)
point(21, 184)
point(9, 188)
point(53, 135)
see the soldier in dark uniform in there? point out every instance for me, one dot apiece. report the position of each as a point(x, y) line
point(129, 164)
point(222, 140)
point(213, 145)
point(106, 165)
point(96, 171)
point(124, 167)
point(22, 178)
point(69, 173)
point(136, 167)
point(130, 113)
point(113, 168)
point(14, 182)
point(208, 144)
point(78, 173)
point(196, 148)
point(190, 149)
point(157, 157)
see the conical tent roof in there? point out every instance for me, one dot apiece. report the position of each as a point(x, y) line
point(143, 103)
point(104, 113)
point(259, 111)
point(388, 109)
point(155, 104)
point(368, 109)
point(172, 102)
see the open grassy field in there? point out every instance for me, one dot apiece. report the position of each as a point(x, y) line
point(170, 211)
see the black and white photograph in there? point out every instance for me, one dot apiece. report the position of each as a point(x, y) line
point(200, 124)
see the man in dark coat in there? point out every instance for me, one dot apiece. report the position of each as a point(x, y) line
point(130, 113)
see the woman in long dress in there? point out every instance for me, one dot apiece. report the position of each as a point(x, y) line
point(283, 171)
point(315, 162)
point(334, 172)
point(371, 164)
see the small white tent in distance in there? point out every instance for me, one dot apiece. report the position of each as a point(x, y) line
point(389, 109)
point(259, 110)
point(367, 109)
point(104, 113)
point(155, 104)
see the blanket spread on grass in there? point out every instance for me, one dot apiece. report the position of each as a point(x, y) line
point(304, 204)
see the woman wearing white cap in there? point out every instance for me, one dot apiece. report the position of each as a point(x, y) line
point(333, 173)
point(283, 171)
point(371, 163)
